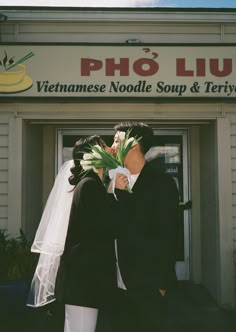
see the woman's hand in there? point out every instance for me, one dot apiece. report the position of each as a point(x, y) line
point(121, 181)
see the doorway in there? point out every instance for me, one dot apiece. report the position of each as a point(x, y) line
point(170, 153)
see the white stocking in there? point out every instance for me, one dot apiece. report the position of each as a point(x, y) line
point(80, 319)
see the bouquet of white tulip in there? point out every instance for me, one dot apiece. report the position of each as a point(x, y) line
point(125, 144)
point(99, 158)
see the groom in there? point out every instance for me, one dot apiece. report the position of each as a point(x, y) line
point(146, 238)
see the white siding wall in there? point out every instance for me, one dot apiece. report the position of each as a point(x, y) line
point(233, 155)
point(117, 26)
point(90, 33)
point(3, 172)
point(10, 170)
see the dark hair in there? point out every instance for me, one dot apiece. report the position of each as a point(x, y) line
point(138, 129)
point(82, 146)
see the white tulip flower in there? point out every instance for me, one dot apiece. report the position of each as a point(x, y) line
point(121, 135)
point(96, 155)
point(87, 156)
point(98, 147)
point(95, 170)
point(87, 167)
point(85, 162)
point(131, 139)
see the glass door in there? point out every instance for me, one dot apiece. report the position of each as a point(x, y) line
point(169, 153)
point(66, 139)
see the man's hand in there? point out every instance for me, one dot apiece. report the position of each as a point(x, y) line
point(162, 291)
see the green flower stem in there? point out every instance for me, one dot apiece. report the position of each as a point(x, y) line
point(128, 189)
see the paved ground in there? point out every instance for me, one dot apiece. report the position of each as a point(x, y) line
point(191, 310)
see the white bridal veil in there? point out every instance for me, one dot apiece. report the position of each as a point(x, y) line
point(50, 238)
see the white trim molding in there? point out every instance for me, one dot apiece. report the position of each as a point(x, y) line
point(225, 226)
point(15, 176)
point(115, 15)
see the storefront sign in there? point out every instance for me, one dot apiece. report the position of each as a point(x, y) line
point(117, 71)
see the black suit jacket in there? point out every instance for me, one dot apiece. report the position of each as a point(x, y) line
point(147, 230)
point(87, 272)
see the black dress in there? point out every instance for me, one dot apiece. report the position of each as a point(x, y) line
point(87, 271)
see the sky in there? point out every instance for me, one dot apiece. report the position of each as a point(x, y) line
point(123, 3)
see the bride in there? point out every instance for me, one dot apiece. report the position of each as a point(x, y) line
point(75, 240)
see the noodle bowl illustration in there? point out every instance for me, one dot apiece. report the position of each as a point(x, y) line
point(13, 76)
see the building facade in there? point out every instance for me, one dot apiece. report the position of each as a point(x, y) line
point(65, 73)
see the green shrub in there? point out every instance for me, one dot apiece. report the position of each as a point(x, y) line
point(16, 260)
